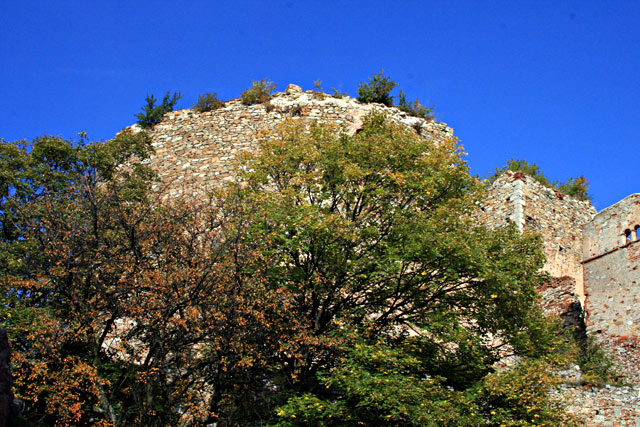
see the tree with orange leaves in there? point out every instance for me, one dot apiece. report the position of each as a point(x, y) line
point(123, 310)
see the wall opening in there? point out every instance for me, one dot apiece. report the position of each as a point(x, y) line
point(636, 230)
point(627, 236)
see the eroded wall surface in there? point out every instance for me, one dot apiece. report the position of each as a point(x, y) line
point(196, 152)
point(606, 231)
point(612, 282)
point(556, 217)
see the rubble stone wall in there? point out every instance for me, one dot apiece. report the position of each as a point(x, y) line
point(602, 406)
point(195, 152)
point(612, 282)
point(606, 231)
point(557, 218)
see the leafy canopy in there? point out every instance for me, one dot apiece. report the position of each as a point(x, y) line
point(372, 233)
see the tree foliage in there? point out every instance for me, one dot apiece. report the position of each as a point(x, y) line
point(208, 102)
point(152, 114)
point(372, 232)
point(377, 89)
point(343, 281)
point(259, 92)
point(413, 108)
point(574, 187)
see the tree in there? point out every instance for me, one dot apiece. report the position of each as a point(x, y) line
point(372, 233)
point(414, 108)
point(50, 177)
point(377, 89)
point(152, 114)
point(341, 266)
point(378, 384)
point(576, 187)
point(121, 310)
point(258, 93)
point(208, 102)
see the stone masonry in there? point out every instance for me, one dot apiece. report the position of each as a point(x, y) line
point(612, 281)
point(557, 218)
point(595, 257)
point(195, 152)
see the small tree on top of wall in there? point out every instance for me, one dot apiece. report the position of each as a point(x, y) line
point(378, 89)
point(259, 92)
point(152, 113)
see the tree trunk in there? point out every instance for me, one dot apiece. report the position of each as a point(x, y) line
point(6, 395)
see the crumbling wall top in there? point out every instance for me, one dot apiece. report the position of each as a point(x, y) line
point(195, 152)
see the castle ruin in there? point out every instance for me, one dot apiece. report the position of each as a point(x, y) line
point(600, 252)
point(593, 256)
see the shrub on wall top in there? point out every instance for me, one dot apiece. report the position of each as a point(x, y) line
point(258, 93)
point(414, 108)
point(208, 102)
point(152, 113)
point(378, 89)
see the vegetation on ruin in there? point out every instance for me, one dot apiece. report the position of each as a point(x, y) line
point(577, 188)
point(152, 114)
point(208, 102)
point(259, 92)
point(413, 108)
point(335, 286)
point(596, 366)
point(378, 89)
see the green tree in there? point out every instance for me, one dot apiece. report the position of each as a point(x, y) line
point(413, 108)
point(377, 89)
point(152, 114)
point(379, 384)
point(259, 92)
point(373, 233)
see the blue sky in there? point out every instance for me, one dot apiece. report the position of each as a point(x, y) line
point(553, 82)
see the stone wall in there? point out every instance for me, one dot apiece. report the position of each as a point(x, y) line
point(612, 282)
point(606, 232)
point(558, 218)
point(195, 152)
point(559, 298)
point(602, 406)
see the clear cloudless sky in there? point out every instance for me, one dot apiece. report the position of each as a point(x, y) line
point(553, 82)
